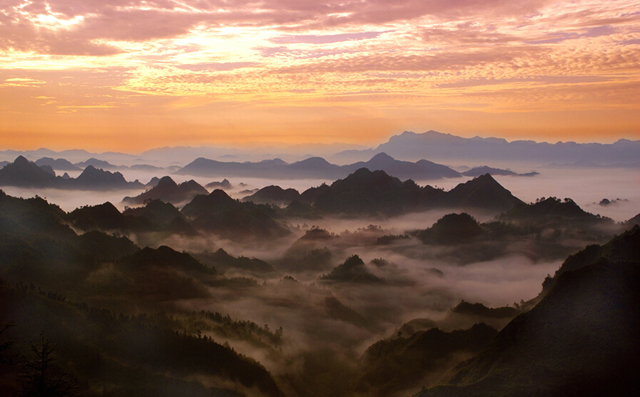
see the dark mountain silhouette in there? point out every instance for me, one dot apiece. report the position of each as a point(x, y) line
point(36, 244)
point(224, 262)
point(48, 169)
point(300, 210)
point(97, 179)
point(478, 309)
point(366, 193)
point(439, 146)
point(138, 355)
point(633, 221)
point(622, 248)
point(369, 193)
point(421, 170)
point(57, 164)
point(179, 225)
point(159, 216)
point(450, 229)
point(167, 190)
point(309, 196)
point(309, 252)
point(166, 257)
point(477, 171)
point(553, 211)
point(317, 167)
point(210, 168)
point(98, 217)
point(24, 173)
point(580, 339)
point(353, 270)
point(273, 195)
point(214, 203)
point(339, 311)
point(27, 174)
point(220, 214)
point(133, 355)
point(153, 182)
point(3, 163)
point(400, 364)
point(224, 185)
point(157, 211)
point(482, 192)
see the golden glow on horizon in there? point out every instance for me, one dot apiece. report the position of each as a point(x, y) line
point(172, 73)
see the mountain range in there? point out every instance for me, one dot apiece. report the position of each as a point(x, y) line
point(318, 168)
point(367, 193)
point(580, 339)
point(409, 146)
point(24, 173)
point(169, 191)
point(444, 147)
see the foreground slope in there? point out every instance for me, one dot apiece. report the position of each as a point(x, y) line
point(581, 339)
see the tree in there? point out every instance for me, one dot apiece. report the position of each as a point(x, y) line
point(41, 377)
point(5, 345)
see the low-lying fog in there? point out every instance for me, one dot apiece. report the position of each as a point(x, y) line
point(415, 281)
point(586, 186)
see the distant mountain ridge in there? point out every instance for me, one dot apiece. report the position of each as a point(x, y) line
point(439, 146)
point(317, 167)
point(168, 190)
point(376, 193)
point(24, 173)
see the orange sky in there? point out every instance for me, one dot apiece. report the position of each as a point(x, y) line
point(130, 75)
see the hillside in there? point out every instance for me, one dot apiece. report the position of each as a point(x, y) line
point(581, 339)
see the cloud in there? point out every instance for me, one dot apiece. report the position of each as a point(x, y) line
point(324, 39)
point(218, 66)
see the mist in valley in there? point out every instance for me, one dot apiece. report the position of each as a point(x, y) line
point(311, 303)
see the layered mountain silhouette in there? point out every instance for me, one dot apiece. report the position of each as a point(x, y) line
point(220, 214)
point(353, 270)
point(366, 193)
point(400, 364)
point(317, 167)
point(57, 164)
point(553, 211)
point(97, 179)
point(452, 228)
point(169, 191)
point(436, 145)
point(24, 173)
point(97, 163)
point(224, 262)
point(580, 339)
point(274, 195)
point(28, 174)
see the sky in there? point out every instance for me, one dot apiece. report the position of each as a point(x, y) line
point(131, 75)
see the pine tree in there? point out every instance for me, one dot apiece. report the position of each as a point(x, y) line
point(41, 377)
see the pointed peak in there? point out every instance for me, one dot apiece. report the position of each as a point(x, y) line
point(21, 160)
point(166, 181)
point(353, 261)
point(219, 194)
point(485, 178)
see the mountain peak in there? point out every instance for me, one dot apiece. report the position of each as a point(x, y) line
point(166, 182)
point(20, 160)
point(382, 156)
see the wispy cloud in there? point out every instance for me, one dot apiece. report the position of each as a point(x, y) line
point(260, 51)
